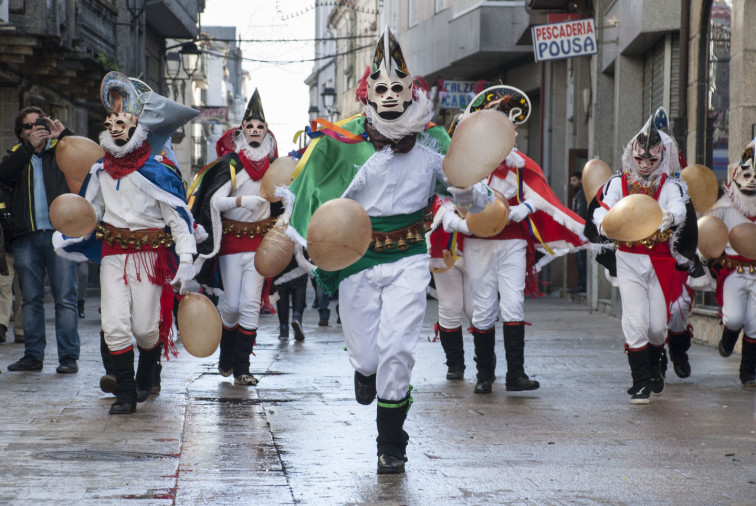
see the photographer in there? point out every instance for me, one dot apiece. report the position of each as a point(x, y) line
point(30, 169)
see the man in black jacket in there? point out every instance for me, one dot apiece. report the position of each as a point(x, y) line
point(580, 207)
point(30, 169)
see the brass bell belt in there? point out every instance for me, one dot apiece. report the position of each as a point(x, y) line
point(249, 229)
point(739, 265)
point(138, 239)
point(401, 238)
point(648, 242)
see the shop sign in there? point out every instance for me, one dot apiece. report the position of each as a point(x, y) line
point(564, 40)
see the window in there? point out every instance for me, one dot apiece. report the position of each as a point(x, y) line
point(718, 88)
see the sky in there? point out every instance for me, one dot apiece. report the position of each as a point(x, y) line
point(284, 95)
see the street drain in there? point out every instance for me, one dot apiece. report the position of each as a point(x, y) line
point(105, 455)
point(239, 401)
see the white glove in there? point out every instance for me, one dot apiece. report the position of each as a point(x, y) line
point(667, 220)
point(252, 202)
point(184, 276)
point(283, 220)
point(464, 198)
point(224, 203)
point(454, 223)
point(519, 212)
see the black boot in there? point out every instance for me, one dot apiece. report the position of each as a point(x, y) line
point(514, 349)
point(748, 362)
point(126, 398)
point(145, 375)
point(485, 359)
point(727, 343)
point(227, 344)
point(451, 341)
point(639, 368)
point(392, 439)
point(80, 304)
point(245, 341)
point(679, 344)
point(108, 383)
point(655, 354)
point(364, 388)
point(156, 380)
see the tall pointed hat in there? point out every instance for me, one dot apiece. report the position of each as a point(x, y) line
point(648, 137)
point(255, 108)
point(388, 54)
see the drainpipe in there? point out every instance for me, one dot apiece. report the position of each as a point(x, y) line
point(682, 113)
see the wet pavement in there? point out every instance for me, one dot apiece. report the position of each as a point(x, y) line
point(300, 438)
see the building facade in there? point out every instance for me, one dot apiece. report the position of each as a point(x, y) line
point(55, 54)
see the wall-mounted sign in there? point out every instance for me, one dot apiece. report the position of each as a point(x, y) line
point(458, 94)
point(564, 40)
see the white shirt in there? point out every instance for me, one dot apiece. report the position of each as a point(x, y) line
point(122, 204)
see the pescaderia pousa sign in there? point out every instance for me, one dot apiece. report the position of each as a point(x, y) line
point(564, 40)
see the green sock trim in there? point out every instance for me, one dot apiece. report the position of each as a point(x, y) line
point(396, 405)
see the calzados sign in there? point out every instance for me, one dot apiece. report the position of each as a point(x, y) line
point(564, 40)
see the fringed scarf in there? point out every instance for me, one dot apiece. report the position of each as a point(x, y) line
point(119, 167)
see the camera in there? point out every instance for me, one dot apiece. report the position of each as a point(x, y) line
point(41, 122)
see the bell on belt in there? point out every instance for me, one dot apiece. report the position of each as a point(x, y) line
point(389, 244)
point(401, 245)
point(378, 246)
point(410, 237)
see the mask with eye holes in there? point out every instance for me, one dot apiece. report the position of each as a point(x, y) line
point(744, 176)
point(647, 150)
point(121, 126)
point(254, 126)
point(389, 84)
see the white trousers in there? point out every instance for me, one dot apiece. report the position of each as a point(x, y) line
point(130, 308)
point(382, 311)
point(644, 309)
point(739, 303)
point(242, 288)
point(679, 311)
point(454, 295)
point(496, 267)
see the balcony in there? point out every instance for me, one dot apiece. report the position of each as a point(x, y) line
point(175, 19)
point(472, 37)
point(62, 45)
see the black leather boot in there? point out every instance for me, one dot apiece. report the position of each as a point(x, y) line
point(126, 398)
point(451, 341)
point(364, 388)
point(655, 354)
point(227, 344)
point(514, 349)
point(145, 375)
point(485, 359)
point(679, 344)
point(108, 383)
point(392, 439)
point(245, 341)
point(640, 392)
point(748, 362)
point(727, 343)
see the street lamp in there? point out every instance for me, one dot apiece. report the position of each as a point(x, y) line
point(186, 59)
point(329, 97)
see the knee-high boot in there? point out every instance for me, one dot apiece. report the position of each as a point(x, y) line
point(245, 341)
point(108, 383)
point(145, 375)
point(655, 354)
point(639, 368)
point(727, 343)
point(123, 368)
point(227, 344)
point(748, 362)
point(451, 341)
point(514, 348)
point(485, 359)
point(679, 344)
point(392, 439)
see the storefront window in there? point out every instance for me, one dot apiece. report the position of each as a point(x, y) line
point(718, 88)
